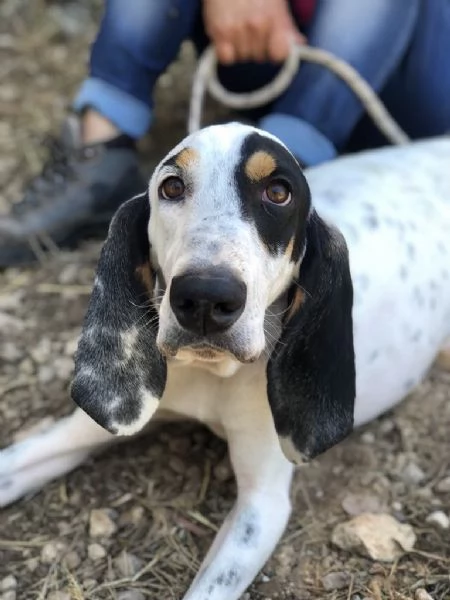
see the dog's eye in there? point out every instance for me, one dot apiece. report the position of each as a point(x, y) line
point(172, 188)
point(277, 192)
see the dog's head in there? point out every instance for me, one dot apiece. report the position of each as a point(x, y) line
point(223, 261)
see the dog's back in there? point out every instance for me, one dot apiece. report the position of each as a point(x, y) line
point(393, 207)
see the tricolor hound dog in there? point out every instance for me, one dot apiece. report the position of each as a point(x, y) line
point(224, 294)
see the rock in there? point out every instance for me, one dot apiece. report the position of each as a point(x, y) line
point(438, 518)
point(356, 504)
point(9, 595)
point(46, 374)
point(10, 325)
point(52, 552)
point(72, 560)
point(71, 346)
point(132, 517)
point(336, 581)
point(10, 352)
point(59, 596)
point(223, 470)
point(378, 536)
point(422, 594)
point(131, 595)
point(443, 485)
point(41, 353)
point(63, 367)
point(96, 551)
point(368, 437)
point(101, 523)
point(412, 474)
point(128, 564)
point(8, 583)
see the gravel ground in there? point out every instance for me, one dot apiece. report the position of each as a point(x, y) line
point(134, 523)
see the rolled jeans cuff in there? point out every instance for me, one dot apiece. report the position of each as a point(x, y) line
point(129, 115)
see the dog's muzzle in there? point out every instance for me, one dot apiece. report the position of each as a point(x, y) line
point(208, 302)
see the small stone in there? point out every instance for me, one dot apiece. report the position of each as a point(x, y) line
point(63, 367)
point(41, 353)
point(69, 274)
point(177, 465)
point(412, 473)
point(128, 564)
point(8, 583)
point(72, 560)
point(132, 517)
point(52, 552)
point(379, 536)
point(336, 581)
point(59, 596)
point(71, 346)
point(46, 374)
point(10, 352)
point(89, 583)
point(422, 594)
point(10, 325)
point(96, 551)
point(101, 523)
point(443, 486)
point(368, 437)
point(438, 518)
point(356, 504)
point(223, 470)
point(9, 595)
point(131, 595)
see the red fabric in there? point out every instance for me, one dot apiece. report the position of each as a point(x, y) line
point(304, 10)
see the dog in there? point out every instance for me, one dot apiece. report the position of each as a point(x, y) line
point(279, 307)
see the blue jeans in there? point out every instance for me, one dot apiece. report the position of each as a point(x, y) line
point(400, 47)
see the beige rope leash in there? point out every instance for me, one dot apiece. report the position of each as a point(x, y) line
point(205, 79)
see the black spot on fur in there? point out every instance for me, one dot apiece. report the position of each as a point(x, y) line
point(371, 222)
point(276, 225)
point(418, 297)
point(411, 251)
point(403, 272)
point(374, 355)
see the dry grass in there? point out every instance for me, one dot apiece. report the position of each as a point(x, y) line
point(165, 492)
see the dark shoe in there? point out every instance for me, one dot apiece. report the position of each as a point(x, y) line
point(74, 198)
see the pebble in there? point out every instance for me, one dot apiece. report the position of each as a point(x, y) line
point(336, 581)
point(356, 504)
point(10, 325)
point(223, 470)
point(132, 517)
point(131, 595)
point(46, 374)
point(128, 564)
point(52, 551)
point(96, 552)
point(9, 595)
point(10, 352)
point(8, 583)
point(59, 596)
point(368, 437)
point(72, 560)
point(63, 367)
point(422, 594)
point(412, 473)
point(101, 523)
point(443, 485)
point(378, 536)
point(439, 518)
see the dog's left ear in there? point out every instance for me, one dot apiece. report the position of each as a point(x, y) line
point(311, 373)
point(120, 374)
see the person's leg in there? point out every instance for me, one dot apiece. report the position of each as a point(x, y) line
point(317, 114)
point(419, 94)
point(95, 166)
point(136, 42)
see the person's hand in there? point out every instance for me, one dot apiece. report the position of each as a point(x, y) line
point(246, 30)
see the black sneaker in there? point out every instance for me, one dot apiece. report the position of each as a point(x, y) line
point(74, 198)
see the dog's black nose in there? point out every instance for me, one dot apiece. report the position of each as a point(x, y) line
point(206, 303)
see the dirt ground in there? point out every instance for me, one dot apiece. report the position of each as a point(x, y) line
point(168, 492)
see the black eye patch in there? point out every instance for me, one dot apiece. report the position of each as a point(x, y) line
point(281, 227)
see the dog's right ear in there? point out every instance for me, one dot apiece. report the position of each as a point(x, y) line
point(120, 374)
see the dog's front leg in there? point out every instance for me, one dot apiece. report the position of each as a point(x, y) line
point(28, 465)
point(254, 526)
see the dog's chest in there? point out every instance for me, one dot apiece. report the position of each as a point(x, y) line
point(198, 394)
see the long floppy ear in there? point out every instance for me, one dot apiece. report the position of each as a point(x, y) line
point(311, 373)
point(119, 373)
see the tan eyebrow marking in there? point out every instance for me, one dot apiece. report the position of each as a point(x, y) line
point(290, 247)
point(296, 304)
point(187, 158)
point(260, 165)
